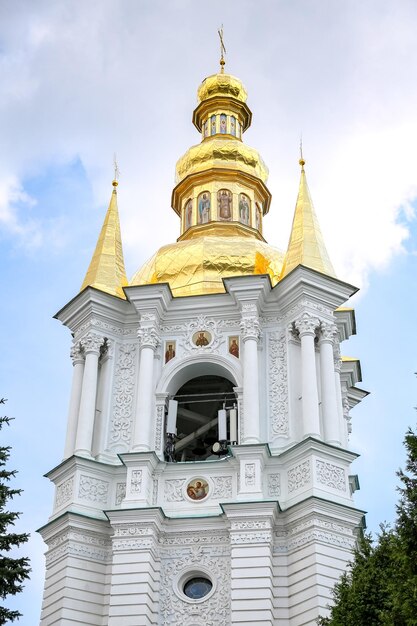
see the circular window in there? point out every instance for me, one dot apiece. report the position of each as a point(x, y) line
point(197, 587)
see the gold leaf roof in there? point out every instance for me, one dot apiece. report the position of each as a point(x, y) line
point(224, 85)
point(107, 269)
point(306, 245)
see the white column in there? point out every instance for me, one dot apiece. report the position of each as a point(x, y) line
point(339, 401)
point(306, 326)
point(77, 356)
point(103, 400)
point(328, 387)
point(250, 333)
point(143, 439)
point(91, 344)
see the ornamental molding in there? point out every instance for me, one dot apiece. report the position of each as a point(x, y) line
point(106, 327)
point(133, 530)
point(173, 490)
point(215, 538)
point(278, 384)
point(128, 544)
point(271, 319)
point(92, 343)
point(299, 476)
point(93, 489)
point(176, 609)
point(321, 536)
point(79, 544)
point(274, 485)
point(332, 476)
point(259, 536)
point(336, 357)
point(304, 304)
point(121, 422)
point(222, 486)
point(64, 492)
point(261, 524)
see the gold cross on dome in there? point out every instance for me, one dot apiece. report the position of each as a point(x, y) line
point(222, 49)
point(116, 168)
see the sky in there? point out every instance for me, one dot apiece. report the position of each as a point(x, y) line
point(81, 81)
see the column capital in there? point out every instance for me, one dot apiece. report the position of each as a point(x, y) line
point(250, 328)
point(328, 332)
point(77, 353)
point(149, 337)
point(306, 324)
point(92, 343)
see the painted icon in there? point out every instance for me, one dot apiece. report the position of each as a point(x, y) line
point(188, 214)
point(223, 122)
point(197, 489)
point(201, 338)
point(244, 208)
point(233, 125)
point(205, 129)
point(258, 216)
point(213, 124)
point(234, 346)
point(204, 207)
point(169, 350)
point(224, 204)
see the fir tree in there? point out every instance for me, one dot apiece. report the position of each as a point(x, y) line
point(380, 586)
point(12, 571)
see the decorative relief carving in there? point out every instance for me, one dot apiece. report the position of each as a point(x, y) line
point(202, 323)
point(271, 319)
point(154, 491)
point(64, 492)
point(336, 357)
point(260, 536)
point(278, 384)
point(173, 490)
point(222, 486)
point(331, 475)
point(322, 536)
point(92, 343)
point(124, 385)
point(274, 485)
point(303, 304)
point(120, 493)
point(174, 609)
point(250, 474)
point(136, 481)
point(132, 530)
point(192, 538)
point(160, 411)
point(93, 489)
point(251, 524)
point(299, 476)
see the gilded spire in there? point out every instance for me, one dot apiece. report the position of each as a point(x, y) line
point(306, 245)
point(107, 269)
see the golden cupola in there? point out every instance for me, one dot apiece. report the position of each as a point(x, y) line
point(221, 198)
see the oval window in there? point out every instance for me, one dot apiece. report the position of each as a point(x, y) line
point(197, 587)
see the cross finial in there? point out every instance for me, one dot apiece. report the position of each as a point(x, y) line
point(222, 49)
point(116, 172)
point(301, 161)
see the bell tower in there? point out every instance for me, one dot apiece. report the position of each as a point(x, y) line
point(206, 477)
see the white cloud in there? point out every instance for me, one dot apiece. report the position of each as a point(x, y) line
point(86, 80)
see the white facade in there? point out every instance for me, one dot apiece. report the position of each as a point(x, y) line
point(278, 524)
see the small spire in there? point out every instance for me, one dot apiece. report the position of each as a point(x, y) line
point(301, 161)
point(222, 50)
point(306, 245)
point(116, 172)
point(107, 268)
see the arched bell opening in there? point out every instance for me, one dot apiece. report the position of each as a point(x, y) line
point(199, 402)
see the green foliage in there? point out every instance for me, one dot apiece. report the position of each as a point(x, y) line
point(12, 571)
point(380, 586)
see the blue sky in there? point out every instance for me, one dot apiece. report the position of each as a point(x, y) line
point(82, 81)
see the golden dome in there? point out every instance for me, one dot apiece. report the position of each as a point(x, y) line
point(223, 152)
point(197, 266)
point(223, 85)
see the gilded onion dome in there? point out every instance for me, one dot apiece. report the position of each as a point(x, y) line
point(221, 198)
